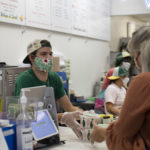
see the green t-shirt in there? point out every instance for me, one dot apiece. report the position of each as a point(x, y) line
point(28, 79)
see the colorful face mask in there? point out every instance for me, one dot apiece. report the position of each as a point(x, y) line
point(43, 64)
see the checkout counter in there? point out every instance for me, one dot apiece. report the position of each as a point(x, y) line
point(66, 134)
point(73, 143)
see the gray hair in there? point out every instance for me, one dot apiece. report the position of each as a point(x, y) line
point(138, 37)
point(145, 54)
point(140, 42)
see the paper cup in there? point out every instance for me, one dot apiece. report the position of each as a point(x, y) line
point(86, 134)
point(86, 120)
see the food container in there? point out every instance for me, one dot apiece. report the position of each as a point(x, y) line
point(86, 134)
point(106, 118)
point(86, 120)
point(103, 125)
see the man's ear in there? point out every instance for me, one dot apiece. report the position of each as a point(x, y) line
point(31, 58)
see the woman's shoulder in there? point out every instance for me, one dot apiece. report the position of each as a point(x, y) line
point(141, 80)
point(143, 76)
point(112, 86)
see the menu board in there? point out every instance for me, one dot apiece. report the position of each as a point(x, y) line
point(99, 19)
point(79, 17)
point(89, 18)
point(61, 15)
point(12, 11)
point(38, 13)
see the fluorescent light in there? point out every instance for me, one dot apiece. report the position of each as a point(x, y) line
point(147, 3)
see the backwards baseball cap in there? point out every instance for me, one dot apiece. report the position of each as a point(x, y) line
point(35, 45)
point(118, 72)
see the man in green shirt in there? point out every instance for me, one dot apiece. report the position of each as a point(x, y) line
point(29, 79)
point(39, 55)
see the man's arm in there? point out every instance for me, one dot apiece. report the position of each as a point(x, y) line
point(71, 115)
point(59, 115)
point(67, 105)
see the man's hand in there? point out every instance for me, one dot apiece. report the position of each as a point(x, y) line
point(70, 120)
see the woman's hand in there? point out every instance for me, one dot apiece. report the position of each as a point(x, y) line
point(98, 133)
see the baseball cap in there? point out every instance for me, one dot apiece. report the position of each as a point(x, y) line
point(35, 45)
point(118, 72)
point(121, 56)
point(125, 54)
point(106, 80)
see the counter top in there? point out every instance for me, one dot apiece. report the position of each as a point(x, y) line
point(73, 143)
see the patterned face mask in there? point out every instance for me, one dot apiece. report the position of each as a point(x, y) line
point(43, 64)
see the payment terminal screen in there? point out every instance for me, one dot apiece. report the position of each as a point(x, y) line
point(44, 126)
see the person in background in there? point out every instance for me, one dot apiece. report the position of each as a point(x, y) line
point(131, 130)
point(39, 55)
point(99, 102)
point(115, 92)
point(123, 59)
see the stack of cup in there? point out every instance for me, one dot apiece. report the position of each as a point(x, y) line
point(86, 120)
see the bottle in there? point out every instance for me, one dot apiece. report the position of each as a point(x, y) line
point(24, 128)
point(96, 89)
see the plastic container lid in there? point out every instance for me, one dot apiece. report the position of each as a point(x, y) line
point(106, 117)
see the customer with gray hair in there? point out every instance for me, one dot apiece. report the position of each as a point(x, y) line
point(132, 129)
point(140, 36)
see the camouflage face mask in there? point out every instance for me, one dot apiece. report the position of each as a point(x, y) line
point(43, 64)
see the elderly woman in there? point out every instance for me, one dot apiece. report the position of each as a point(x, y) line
point(132, 130)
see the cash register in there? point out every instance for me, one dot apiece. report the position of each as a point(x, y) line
point(46, 119)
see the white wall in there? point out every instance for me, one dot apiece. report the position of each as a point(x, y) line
point(124, 20)
point(89, 57)
point(128, 7)
point(120, 23)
